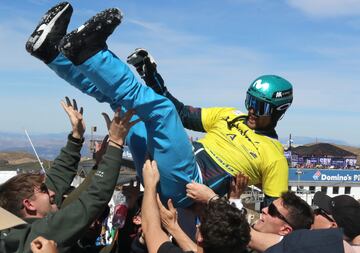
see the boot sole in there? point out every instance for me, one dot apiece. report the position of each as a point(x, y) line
point(46, 29)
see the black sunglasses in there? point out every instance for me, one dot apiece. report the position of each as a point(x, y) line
point(322, 212)
point(274, 212)
point(43, 188)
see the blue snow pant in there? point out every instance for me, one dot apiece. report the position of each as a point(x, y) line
point(105, 77)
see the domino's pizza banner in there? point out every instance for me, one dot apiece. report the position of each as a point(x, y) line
point(323, 175)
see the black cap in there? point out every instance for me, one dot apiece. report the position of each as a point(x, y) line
point(344, 209)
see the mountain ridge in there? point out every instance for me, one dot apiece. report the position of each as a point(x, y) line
point(16, 149)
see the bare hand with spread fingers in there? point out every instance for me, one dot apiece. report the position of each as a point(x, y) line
point(169, 220)
point(75, 116)
point(168, 215)
point(119, 127)
point(238, 186)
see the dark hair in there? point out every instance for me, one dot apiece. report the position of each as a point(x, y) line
point(18, 188)
point(300, 215)
point(224, 228)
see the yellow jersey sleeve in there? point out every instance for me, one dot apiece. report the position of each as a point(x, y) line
point(211, 116)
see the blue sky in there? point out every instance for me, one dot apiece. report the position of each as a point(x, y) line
point(208, 53)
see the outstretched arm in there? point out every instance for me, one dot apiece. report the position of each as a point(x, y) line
point(190, 116)
point(203, 194)
point(200, 192)
point(65, 166)
point(170, 223)
point(154, 235)
point(79, 214)
point(147, 69)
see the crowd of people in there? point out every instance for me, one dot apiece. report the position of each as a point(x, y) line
point(191, 199)
point(321, 166)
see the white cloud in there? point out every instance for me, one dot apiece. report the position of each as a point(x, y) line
point(327, 8)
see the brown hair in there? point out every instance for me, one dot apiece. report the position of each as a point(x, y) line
point(18, 188)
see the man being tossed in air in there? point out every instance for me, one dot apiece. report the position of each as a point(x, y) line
point(234, 142)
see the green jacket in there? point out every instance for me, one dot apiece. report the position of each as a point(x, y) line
point(68, 224)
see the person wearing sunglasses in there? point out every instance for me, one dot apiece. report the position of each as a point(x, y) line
point(342, 211)
point(30, 199)
point(284, 215)
point(35, 195)
point(336, 228)
point(234, 142)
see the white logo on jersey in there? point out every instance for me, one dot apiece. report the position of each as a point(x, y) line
point(259, 85)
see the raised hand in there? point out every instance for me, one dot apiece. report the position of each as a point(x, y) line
point(100, 149)
point(168, 215)
point(151, 174)
point(199, 192)
point(119, 127)
point(238, 186)
point(75, 116)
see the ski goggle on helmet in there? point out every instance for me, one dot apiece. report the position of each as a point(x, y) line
point(269, 95)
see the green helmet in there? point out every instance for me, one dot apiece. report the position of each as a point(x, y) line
point(269, 95)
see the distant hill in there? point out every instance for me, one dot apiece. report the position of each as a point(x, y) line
point(47, 145)
point(355, 150)
point(14, 158)
point(322, 149)
point(304, 140)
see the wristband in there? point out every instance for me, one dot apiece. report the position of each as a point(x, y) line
point(117, 144)
point(75, 140)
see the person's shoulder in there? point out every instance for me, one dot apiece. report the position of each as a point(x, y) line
point(271, 145)
point(228, 113)
point(18, 236)
point(311, 241)
point(229, 110)
point(234, 113)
